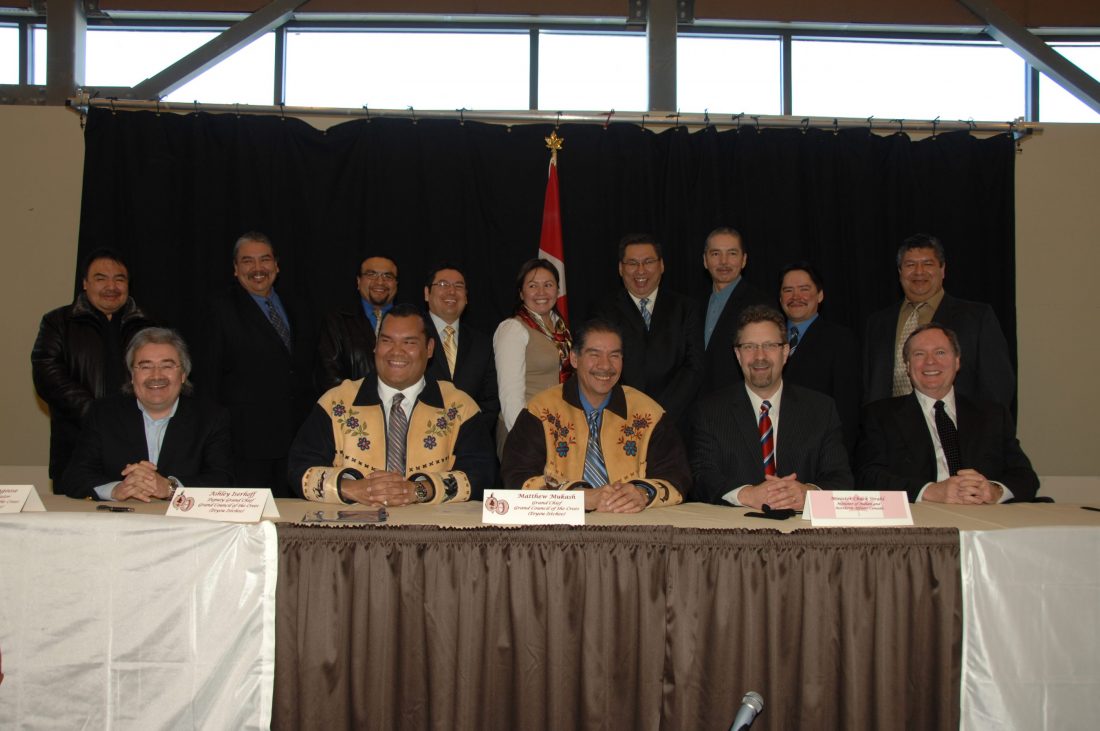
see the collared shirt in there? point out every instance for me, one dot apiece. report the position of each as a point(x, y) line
point(411, 394)
point(368, 308)
point(154, 438)
point(261, 302)
point(440, 323)
point(801, 327)
point(928, 409)
point(924, 315)
point(715, 306)
point(733, 495)
point(589, 408)
point(651, 300)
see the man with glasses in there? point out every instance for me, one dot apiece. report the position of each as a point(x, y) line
point(346, 349)
point(146, 442)
point(463, 355)
point(662, 330)
point(764, 443)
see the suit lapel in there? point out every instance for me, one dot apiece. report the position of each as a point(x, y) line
point(178, 426)
point(966, 422)
point(631, 312)
point(787, 451)
point(252, 313)
point(748, 430)
point(134, 427)
point(912, 426)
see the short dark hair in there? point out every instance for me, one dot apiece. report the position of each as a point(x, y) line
point(430, 279)
point(406, 309)
point(595, 325)
point(728, 231)
point(359, 266)
point(102, 252)
point(801, 266)
point(762, 313)
point(922, 241)
point(632, 239)
point(932, 326)
point(258, 237)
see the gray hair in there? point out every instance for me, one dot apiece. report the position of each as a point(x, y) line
point(259, 238)
point(158, 336)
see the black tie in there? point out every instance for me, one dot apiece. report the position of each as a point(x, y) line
point(949, 439)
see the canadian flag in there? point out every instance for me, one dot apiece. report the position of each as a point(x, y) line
point(550, 246)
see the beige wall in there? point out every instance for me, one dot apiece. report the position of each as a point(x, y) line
point(1057, 243)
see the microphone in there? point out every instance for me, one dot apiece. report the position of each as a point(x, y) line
point(751, 705)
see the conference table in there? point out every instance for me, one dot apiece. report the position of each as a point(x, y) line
point(976, 617)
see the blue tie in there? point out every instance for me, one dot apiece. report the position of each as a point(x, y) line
point(643, 305)
point(595, 472)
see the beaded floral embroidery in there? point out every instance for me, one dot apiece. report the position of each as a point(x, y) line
point(632, 431)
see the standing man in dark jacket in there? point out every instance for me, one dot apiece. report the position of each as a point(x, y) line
point(256, 361)
point(78, 355)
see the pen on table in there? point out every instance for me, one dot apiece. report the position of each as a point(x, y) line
point(1089, 507)
point(114, 508)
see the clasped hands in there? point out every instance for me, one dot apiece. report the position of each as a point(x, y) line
point(617, 497)
point(380, 488)
point(141, 481)
point(778, 493)
point(968, 487)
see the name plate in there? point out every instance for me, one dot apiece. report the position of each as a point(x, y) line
point(228, 504)
point(828, 508)
point(20, 499)
point(533, 507)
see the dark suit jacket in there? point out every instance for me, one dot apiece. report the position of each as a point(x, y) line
point(665, 362)
point(243, 365)
point(195, 450)
point(896, 450)
point(986, 371)
point(475, 368)
point(827, 361)
point(345, 350)
point(725, 450)
point(720, 365)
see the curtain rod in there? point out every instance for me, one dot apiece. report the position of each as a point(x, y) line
point(659, 120)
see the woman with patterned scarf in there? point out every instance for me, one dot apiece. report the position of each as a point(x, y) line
point(532, 347)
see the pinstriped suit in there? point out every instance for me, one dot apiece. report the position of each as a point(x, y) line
point(725, 449)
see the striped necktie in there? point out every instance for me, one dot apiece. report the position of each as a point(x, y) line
point(767, 440)
point(450, 348)
point(278, 322)
point(643, 305)
point(902, 385)
point(595, 471)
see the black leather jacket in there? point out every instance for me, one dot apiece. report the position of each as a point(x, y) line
point(68, 367)
point(346, 347)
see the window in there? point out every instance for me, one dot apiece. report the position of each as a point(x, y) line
point(395, 70)
point(730, 75)
point(246, 77)
point(9, 54)
point(39, 37)
point(590, 72)
point(1058, 105)
point(906, 80)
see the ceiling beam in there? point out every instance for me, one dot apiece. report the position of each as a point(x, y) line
point(216, 50)
point(1037, 53)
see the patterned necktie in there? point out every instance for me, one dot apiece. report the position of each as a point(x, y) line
point(450, 348)
point(949, 438)
point(793, 338)
point(643, 305)
point(767, 442)
point(377, 320)
point(902, 385)
point(595, 472)
point(396, 436)
point(278, 323)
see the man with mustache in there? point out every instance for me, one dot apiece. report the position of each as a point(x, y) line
point(77, 356)
point(725, 259)
point(256, 361)
point(146, 442)
point(395, 437)
point(940, 445)
point(764, 443)
point(346, 347)
point(824, 355)
point(593, 434)
point(987, 371)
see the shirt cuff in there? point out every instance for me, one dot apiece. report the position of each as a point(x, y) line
point(103, 492)
point(920, 495)
point(733, 497)
point(1006, 494)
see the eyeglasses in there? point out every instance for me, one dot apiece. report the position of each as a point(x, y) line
point(169, 367)
point(751, 348)
point(384, 276)
point(635, 264)
point(445, 285)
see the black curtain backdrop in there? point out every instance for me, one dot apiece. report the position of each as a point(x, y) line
point(173, 192)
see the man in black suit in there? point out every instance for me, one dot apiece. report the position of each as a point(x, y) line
point(463, 355)
point(346, 346)
point(725, 258)
point(987, 372)
point(146, 442)
point(257, 362)
point(662, 335)
point(939, 445)
point(765, 442)
point(824, 355)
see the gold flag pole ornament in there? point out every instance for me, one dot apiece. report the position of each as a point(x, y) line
point(554, 143)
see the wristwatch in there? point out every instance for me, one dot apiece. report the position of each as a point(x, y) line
point(422, 493)
point(173, 485)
